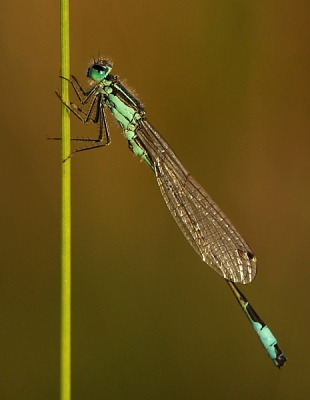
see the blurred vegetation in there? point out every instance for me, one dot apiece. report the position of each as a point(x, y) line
point(227, 84)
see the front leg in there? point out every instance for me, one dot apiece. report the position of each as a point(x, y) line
point(78, 112)
point(83, 96)
point(95, 114)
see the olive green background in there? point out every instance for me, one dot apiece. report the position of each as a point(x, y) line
point(227, 84)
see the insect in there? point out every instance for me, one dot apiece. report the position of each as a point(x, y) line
point(202, 222)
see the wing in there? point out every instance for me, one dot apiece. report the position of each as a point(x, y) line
point(202, 222)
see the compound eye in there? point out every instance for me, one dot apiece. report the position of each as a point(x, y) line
point(97, 72)
point(100, 69)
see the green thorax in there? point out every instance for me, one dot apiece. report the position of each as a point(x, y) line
point(125, 108)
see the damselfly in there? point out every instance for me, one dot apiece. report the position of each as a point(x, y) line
point(202, 222)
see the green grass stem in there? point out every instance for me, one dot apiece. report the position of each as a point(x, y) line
point(65, 334)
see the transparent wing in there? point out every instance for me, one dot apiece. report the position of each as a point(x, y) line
point(202, 222)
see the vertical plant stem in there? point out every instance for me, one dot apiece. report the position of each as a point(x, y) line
point(65, 335)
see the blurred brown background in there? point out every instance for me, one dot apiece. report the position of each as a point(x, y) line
point(227, 84)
